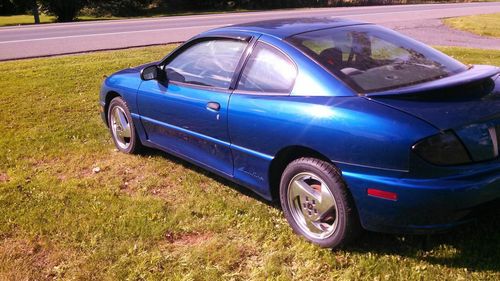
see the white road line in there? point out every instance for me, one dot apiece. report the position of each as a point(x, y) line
point(219, 25)
point(206, 26)
point(179, 28)
point(242, 14)
point(107, 34)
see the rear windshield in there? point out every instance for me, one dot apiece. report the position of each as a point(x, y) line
point(371, 58)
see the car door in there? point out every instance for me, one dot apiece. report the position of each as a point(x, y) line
point(187, 114)
point(256, 119)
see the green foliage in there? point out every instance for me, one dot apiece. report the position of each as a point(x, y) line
point(155, 217)
point(8, 8)
point(118, 7)
point(12, 7)
point(64, 10)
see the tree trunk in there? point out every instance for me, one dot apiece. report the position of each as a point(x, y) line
point(36, 13)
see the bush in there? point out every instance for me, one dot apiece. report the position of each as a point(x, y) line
point(13, 7)
point(64, 10)
point(118, 7)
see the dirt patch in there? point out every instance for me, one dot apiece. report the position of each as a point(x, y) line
point(4, 178)
point(131, 180)
point(27, 260)
point(166, 191)
point(187, 239)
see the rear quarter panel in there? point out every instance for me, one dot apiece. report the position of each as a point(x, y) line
point(350, 131)
point(321, 114)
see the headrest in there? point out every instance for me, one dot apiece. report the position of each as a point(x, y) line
point(331, 56)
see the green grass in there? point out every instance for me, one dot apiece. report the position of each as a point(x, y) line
point(28, 19)
point(485, 25)
point(24, 19)
point(152, 216)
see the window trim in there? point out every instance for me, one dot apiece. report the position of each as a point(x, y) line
point(250, 40)
point(249, 92)
point(200, 87)
point(242, 63)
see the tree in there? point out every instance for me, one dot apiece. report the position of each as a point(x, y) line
point(14, 7)
point(118, 7)
point(64, 10)
point(36, 13)
point(6, 7)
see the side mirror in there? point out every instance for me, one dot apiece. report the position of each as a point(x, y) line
point(152, 72)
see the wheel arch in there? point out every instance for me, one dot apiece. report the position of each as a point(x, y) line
point(282, 159)
point(107, 100)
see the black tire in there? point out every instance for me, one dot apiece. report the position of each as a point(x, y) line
point(131, 144)
point(345, 227)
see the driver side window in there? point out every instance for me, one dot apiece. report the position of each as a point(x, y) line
point(207, 63)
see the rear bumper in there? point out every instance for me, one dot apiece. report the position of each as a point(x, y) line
point(423, 205)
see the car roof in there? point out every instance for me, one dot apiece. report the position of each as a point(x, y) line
point(283, 28)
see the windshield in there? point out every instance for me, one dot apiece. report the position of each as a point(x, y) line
point(370, 58)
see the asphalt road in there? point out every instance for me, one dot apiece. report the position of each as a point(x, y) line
point(419, 21)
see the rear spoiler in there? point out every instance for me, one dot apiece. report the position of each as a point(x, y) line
point(473, 74)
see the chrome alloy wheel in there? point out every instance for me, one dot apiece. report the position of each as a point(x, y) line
point(312, 205)
point(120, 126)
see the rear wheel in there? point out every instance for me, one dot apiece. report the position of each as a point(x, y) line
point(122, 128)
point(317, 204)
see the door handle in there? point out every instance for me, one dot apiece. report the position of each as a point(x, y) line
point(215, 106)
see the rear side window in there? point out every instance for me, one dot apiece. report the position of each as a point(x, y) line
point(208, 63)
point(268, 71)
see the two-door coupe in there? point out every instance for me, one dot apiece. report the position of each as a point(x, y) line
point(349, 125)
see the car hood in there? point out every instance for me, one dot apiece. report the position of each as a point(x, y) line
point(135, 69)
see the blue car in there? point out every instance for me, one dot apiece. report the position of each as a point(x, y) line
point(348, 125)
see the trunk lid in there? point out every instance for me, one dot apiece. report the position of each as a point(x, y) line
point(468, 103)
point(465, 98)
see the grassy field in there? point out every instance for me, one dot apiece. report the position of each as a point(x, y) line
point(486, 25)
point(28, 19)
point(23, 19)
point(155, 217)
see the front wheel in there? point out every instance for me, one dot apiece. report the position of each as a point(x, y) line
point(122, 127)
point(317, 204)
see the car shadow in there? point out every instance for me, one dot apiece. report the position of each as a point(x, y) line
point(475, 246)
point(188, 165)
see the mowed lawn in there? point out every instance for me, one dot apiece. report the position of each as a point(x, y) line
point(486, 25)
point(72, 207)
point(29, 19)
point(24, 19)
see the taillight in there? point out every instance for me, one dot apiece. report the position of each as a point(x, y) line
point(443, 149)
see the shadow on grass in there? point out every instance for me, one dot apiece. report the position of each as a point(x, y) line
point(475, 246)
point(188, 165)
